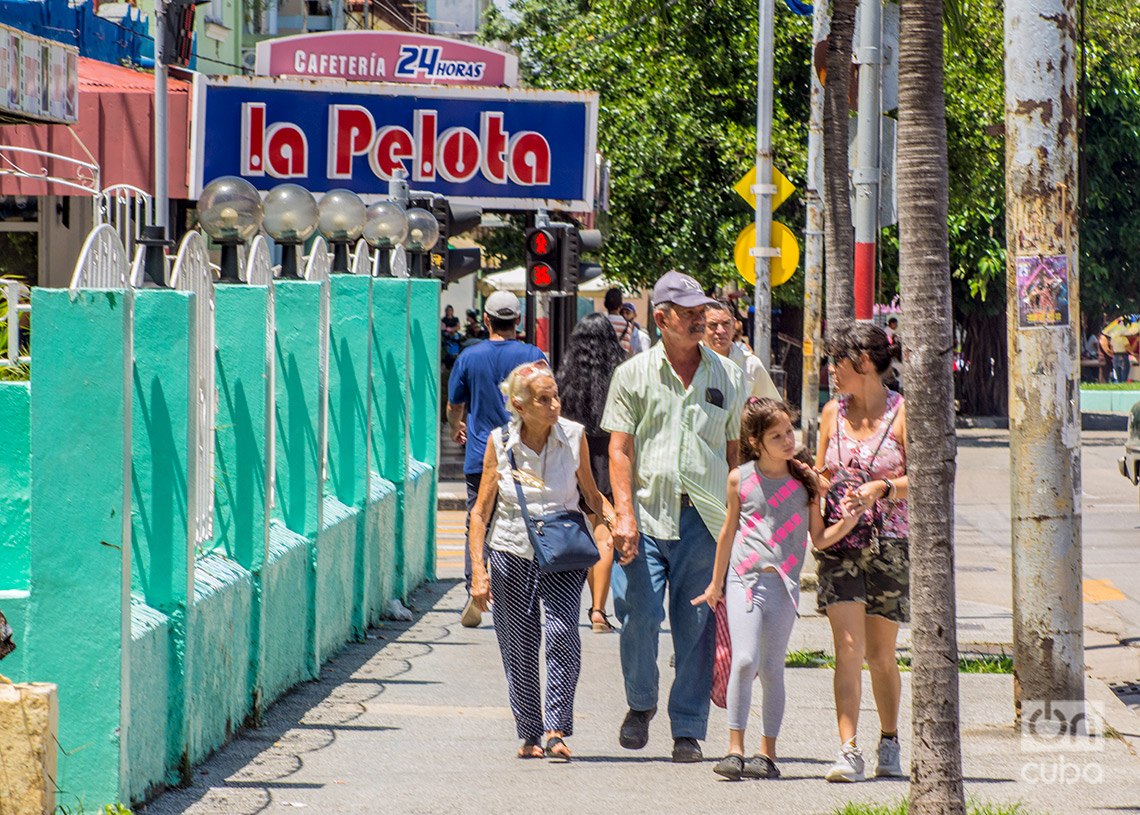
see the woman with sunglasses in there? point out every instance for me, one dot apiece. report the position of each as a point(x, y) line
point(865, 593)
point(549, 459)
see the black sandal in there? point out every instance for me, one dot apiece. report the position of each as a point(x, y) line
point(731, 766)
point(761, 767)
point(556, 741)
point(527, 750)
point(604, 627)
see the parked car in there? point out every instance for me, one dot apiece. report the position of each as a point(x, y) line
point(1130, 461)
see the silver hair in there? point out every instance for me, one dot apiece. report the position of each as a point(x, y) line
point(519, 384)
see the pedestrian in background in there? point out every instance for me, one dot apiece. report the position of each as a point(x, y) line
point(673, 413)
point(588, 362)
point(719, 327)
point(629, 311)
point(865, 593)
point(773, 505)
point(475, 403)
point(625, 330)
point(553, 465)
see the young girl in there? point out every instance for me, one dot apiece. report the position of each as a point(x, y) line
point(773, 505)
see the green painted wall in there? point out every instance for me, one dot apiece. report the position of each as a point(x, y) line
point(390, 397)
point(297, 317)
point(1098, 401)
point(80, 411)
point(239, 440)
point(152, 700)
point(424, 421)
point(15, 486)
point(161, 553)
point(243, 623)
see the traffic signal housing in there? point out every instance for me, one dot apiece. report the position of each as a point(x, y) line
point(444, 263)
point(178, 33)
point(543, 259)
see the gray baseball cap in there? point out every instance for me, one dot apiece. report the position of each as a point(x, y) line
point(503, 305)
point(680, 290)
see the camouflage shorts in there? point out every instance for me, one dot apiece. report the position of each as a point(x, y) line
point(881, 581)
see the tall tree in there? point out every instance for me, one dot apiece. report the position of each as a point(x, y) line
point(839, 245)
point(924, 272)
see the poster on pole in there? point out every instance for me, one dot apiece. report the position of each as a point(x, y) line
point(1042, 291)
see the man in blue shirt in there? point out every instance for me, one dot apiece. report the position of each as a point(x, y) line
point(475, 405)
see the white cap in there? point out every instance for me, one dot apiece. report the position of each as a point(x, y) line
point(502, 305)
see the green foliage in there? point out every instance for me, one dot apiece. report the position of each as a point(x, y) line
point(677, 87)
point(19, 372)
point(1110, 386)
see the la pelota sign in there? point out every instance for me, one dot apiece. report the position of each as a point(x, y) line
point(386, 56)
point(495, 147)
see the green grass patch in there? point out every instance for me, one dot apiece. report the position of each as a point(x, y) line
point(967, 663)
point(900, 808)
point(1110, 386)
point(804, 658)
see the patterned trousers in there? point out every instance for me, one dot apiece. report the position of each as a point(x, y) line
point(517, 587)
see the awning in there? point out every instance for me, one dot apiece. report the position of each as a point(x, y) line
point(116, 109)
point(514, 280)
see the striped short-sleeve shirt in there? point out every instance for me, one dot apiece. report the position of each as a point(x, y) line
point(679, 435)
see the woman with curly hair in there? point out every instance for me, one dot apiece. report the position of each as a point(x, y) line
point(584, 373)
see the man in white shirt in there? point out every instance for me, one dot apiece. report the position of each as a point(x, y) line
point(625, 330)
point(719, 327)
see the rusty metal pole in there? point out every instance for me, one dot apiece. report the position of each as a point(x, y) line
point(1043, 316)
point(813, 245)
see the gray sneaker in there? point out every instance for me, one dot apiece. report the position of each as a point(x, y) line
point(849, 766)
point(889, 764)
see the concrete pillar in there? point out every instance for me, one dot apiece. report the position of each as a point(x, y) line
point(389, 402)
point(350, 325)
point(298, 490)
point(15, 516)
point(79, 625)
point(424, 422)
point(161, 532)
point(29, 727)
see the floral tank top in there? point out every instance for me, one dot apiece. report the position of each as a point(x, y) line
point(890, 462)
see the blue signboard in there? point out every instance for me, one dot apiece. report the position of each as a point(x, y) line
point(498, 148)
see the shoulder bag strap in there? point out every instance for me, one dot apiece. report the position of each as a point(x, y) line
point(518, 486)
point(886, 432)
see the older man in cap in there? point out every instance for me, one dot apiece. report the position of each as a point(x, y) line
point(673, 413)
point(475, 403)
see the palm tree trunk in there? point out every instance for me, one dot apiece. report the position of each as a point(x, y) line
point(839, 249)
point(924, 272)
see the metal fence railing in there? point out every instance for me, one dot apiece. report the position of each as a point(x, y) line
point(15, 310)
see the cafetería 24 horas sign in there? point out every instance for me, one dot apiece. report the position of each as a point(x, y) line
point(497, 148)
point(386, 56)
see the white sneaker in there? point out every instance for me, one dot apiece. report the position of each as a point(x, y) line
point(849, 766)
point(889, 765)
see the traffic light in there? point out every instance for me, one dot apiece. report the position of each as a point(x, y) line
point(447, 264)
point(543, 259)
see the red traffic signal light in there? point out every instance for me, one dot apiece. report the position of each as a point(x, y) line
point(542, 276)
point(541, 243)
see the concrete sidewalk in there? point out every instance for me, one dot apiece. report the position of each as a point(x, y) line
point(415, 720)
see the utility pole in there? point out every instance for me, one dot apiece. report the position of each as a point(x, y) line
point(813, 240)
point(865, 175)
point(1043, 306)
point(764, 189)
point(161, 162)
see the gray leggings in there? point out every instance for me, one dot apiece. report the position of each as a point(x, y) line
point(759, 640)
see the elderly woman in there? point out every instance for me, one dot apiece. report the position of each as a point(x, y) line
point(553, 463)
point(865, 593)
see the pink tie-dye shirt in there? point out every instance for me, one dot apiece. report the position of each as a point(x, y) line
point(773, 532)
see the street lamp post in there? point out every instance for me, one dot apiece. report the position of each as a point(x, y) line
point(385, 228)
point(423, 233)
point(341, 217)
point(290, 220)
point(230, 212)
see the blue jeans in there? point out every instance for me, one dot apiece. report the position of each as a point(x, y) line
point(685, 565)
point(1121, 366)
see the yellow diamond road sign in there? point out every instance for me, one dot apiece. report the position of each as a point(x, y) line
point(784, 188)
